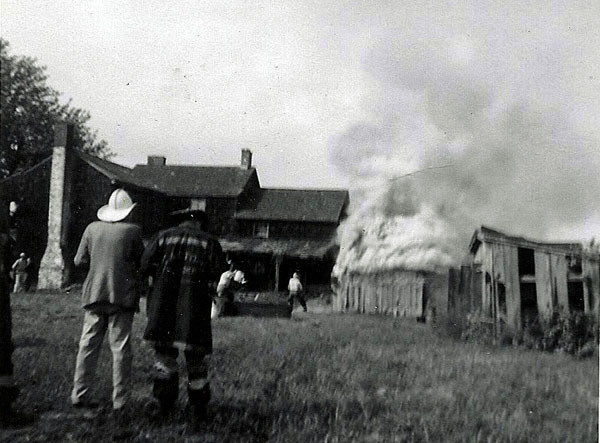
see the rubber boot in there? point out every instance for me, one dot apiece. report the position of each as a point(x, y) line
point(166, 391)
point(199, 399)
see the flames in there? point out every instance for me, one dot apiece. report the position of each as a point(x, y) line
point(381, 235)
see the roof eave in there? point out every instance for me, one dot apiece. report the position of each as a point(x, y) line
point(278, 219)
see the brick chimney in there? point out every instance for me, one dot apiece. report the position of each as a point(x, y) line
point(52, 266)
point(246, 159)
point(156, 160)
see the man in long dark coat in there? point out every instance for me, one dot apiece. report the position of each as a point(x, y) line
point(185, 263)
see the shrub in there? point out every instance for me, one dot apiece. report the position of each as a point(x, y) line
point(478, 329)
point(575, 333)
point(569, 332)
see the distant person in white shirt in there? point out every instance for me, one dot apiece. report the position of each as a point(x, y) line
point(20, 269)
point(225, 293)
point(295, 289)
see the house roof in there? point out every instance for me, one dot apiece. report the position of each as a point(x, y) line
point(194, 181)
point(111, 170)
point(45, 163)
point(485, 234)
point(287, 248)
point(315, 205)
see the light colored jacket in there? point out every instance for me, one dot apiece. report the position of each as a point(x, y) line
point(113, 251)
point(294, 286)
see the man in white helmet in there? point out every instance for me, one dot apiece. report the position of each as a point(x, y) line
point(113, 247)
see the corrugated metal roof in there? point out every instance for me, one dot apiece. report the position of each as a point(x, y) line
point(316, 205)
point(194, 181)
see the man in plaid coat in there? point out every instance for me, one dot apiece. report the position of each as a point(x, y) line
point(185, 263)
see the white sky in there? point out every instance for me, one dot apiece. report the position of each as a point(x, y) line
point(197, 81)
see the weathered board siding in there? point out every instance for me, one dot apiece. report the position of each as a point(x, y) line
point(551, 282)
point(464, 294)
point(501, 269)
point(501, 280)
point(397, 292)
point(591, 284)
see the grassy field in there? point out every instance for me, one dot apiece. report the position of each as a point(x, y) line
point(315, 378)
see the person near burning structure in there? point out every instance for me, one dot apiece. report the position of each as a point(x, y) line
point(295, 291)
point(185, 263)
point(223, 303)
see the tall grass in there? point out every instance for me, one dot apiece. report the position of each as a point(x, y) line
point(317, 378)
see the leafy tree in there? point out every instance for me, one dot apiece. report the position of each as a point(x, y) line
point(29, 109)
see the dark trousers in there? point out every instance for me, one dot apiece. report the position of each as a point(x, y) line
point(300, 298)
point(166, 377)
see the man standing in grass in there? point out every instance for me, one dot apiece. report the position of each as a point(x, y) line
point(113, 248)
point(20, 269)
point(185, 263)
point(295, 288)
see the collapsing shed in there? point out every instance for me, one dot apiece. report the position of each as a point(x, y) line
point(512, 280)
point(399, 292)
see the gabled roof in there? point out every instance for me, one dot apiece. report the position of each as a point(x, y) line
point(111, 170)
point(317, 205)
point(45, 163)
point(485, 234)
point(194, 181)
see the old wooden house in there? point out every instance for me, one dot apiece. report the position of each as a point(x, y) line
point(270, 232)
point(512, 280)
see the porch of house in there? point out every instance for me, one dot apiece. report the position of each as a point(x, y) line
point(269, 264)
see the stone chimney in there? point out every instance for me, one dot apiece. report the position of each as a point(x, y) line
point(156, 160)
point(52, 266)
point(246, 159)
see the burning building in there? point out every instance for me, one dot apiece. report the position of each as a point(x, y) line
point(509, 281)
point(393, 264)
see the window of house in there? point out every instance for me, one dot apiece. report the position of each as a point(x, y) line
point(198, 203)
point(261, 230)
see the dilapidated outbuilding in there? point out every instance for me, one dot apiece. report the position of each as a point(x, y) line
point(512, 280)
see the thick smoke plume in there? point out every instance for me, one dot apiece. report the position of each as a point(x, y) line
point(497, 136)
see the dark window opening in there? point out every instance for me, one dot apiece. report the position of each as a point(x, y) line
point(502, 300)
point(575, 291)
point(526, 261)
point(574, 263)
point(529, 307)
point(488, 290)
point(590, 292)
